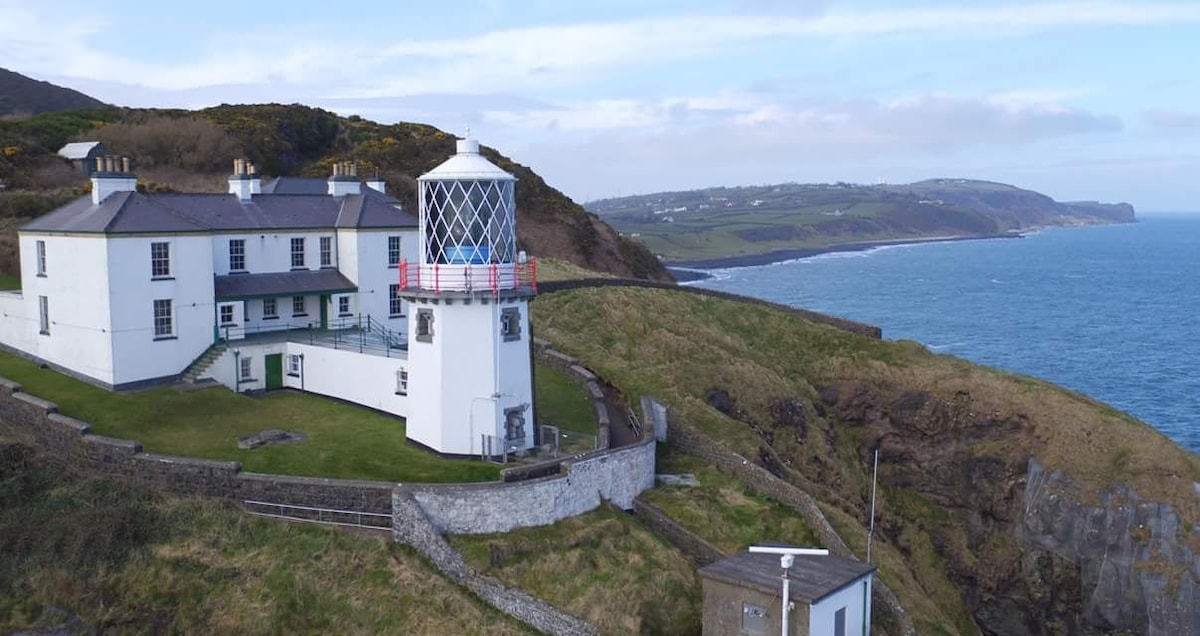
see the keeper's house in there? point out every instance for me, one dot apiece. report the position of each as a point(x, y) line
point(299, 283)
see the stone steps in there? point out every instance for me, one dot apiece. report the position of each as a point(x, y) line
point(206, 360)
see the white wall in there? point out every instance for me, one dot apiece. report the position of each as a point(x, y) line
point(365, 379)
point(372, 274)
point(225, 368)
point(138, 355)
point(457, 376)
point(856, 598)
point(272, 251)
point(81, 337)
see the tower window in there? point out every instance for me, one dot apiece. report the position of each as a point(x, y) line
point(514, 424)
point(510, 324)
point(425, 325)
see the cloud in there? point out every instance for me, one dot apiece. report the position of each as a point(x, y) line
point(39, 41)
point(1172, 120)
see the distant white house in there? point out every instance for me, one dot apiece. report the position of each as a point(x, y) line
point(301, 283)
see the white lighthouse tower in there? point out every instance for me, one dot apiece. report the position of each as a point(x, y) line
point(470, 380)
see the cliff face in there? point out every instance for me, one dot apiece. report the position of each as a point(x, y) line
point(1032, 550)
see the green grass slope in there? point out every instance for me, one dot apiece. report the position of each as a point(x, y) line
point(811, 403)
point(126, 561)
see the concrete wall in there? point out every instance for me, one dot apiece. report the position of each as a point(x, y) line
point(618, 476)
point(855, 599)
point(724, 603)
point(365, 379)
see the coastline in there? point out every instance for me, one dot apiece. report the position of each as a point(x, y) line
point(686, 271)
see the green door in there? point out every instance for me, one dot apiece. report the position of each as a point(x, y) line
point(324, 311)
point(274, 371)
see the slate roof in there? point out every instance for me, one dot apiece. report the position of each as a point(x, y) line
point(78, 149)
point(298, 283)
point(135, 212)
point(813, 577)
point(314, 186)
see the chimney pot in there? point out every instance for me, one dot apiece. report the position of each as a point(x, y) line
point(125, 165)
point(253, 170)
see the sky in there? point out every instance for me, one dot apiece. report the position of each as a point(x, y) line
point(1079, 99)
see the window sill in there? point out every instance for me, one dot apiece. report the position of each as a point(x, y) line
point(299, 315)
point(293, 375)
point(345, 315)
point(43, 333)
point(270, 317)
point(228, 325)
point(401, 393)
point(157, 338)
point(42, 275)
point(393, 265)
point(246, 380)
point(330, 266)
point(391, 316)
point(158, 278)
point(299, 268)
point(238, 271)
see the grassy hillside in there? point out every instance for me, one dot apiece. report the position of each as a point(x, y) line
point(192, 152)
point(21, 95)
point(718, 223)
point(811, 403)
point(122, 560)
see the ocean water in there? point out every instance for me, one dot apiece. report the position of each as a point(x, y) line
point(1110, 311)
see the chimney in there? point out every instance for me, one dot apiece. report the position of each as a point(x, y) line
point(344, 179)
point(244, 181)
point(113, 174)
point(377, 184)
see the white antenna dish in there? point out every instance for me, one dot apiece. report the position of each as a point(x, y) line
point(787, 556)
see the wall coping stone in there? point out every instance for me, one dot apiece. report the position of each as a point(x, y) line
point(35, 401)
point(81, 427)
point(12, 386)
point(133, 447)
point(316, 481)
point(190, 461)
point(560, 356)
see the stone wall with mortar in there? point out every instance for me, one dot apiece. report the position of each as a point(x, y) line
point(697, 550)
point(31, 419)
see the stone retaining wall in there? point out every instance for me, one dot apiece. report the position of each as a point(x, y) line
point(30, 418)
point(585, 379)
point(862, 329)
point(697, 550)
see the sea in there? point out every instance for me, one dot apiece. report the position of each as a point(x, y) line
point(1109, 311)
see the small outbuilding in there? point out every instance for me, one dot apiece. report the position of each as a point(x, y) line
point(82, 155)
point(830, 596)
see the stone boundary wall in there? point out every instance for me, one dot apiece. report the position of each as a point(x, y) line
point(691, 440)
point(862, 329)
point(413, 528)
point(697, 550)
point(616, 475)
point(30, 418)
point(585, 379)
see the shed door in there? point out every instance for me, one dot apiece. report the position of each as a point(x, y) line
point(274, 371)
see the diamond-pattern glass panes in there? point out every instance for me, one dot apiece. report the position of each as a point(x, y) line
point(468, 222)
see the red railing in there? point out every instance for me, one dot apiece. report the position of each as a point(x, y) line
point(492, 277)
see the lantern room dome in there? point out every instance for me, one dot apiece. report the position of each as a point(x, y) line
point(467, 164)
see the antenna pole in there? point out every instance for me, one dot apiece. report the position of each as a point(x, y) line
point(874, 481)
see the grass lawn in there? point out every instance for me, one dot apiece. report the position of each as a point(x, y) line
point(344, 441)
point(560, 402)
point(603, 566)
point(10, 282)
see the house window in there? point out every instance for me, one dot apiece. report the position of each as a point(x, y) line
point(43, 315)
point(226, 315)
point(510, 324)
point(326, 251)
point(395, 305)
point(393, 251)
point(839, 622)
point(164, 324)
point(401, 382)
point(754, 619)
point(270, 309)
point(298, 306)
point(246, 364)
point(294, 365)
point(160, 260)
point(343, 305)
point(514, 423)
point(41, 258)
point(297, 253)
point(425, 325)
point(237, 255)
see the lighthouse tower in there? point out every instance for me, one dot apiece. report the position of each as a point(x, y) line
point(468, 296)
